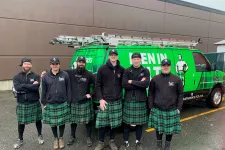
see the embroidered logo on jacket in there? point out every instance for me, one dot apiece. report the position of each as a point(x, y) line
point(31, 79)
point(61, 79)
point(171, 83)
point(83, 79)
point(118, 75)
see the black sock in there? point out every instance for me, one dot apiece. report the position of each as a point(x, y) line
point(113, 133)
point(61, 130)
point(39, 127)
point(54, 131)
point(126, 132)
point(138, 132)
point(73, 130)
point(102, 132)
point(21, 128)
point(159, 136)
point(89, 129)
point(169, 137)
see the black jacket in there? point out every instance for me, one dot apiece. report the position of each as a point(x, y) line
point(27, 92)
point(80, 84)
point(109, 82)
point(137, 88)
point(166, 92)
point(56, 89)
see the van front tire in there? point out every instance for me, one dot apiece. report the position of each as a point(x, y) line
point(215, 98)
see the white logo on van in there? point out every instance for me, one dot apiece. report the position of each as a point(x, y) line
point(88, 60)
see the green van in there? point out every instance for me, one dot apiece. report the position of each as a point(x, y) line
point(200, 79)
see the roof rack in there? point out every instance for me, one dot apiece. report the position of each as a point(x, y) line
point(115, 40)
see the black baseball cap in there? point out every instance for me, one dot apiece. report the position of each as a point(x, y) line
point(81, 58)
point(113, 51)
point(54, 60)
point(25, 59)
point(136, 55)
point(165, 62)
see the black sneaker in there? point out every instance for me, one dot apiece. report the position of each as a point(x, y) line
point(124, 146)
point(18, 144)
point(72, 140)
point(89, 142)
point(139, 146)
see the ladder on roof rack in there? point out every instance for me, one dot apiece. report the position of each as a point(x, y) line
point(115, 40)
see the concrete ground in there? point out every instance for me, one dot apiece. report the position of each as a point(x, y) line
point(202, 132)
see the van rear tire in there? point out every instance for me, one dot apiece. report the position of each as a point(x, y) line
point(215, 98)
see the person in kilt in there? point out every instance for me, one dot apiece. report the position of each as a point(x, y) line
point(108, 89)
point(28, 109)
point(135, 111)
point(81, 107)
point(56, 98)
point(165, 101)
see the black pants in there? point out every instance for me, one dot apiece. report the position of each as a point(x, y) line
point(61, 131)
point(88, 128)
point(21, 128)
point(102, 132)
point(159, 136)
point(127, 131)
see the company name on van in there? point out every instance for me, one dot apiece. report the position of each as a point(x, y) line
point(151, 59)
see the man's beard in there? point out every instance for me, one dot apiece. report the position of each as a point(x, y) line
point(26, 70)
point(80, 70)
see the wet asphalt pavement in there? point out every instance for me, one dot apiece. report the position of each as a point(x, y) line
point(203, 133)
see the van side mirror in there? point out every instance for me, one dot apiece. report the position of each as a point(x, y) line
point(213, 67)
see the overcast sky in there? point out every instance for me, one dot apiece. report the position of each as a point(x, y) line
point(216, 4)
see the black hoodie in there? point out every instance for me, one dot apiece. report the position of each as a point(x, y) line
point(166, 92)
point(80, 84)
point(137, 88)
point(27, 92)
point(56, 89)
point(109, 82)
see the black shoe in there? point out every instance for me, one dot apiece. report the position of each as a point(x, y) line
point(18, 144)
point(89, 142)
point(167, 145)
point(139, 146)
point(124, 146)
point(159, 145)
point(72, 140)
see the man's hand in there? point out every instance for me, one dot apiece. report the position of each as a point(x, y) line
point(43, 73)
point(88, 96)
point(103, 104)
point(143, 79)
point(129, 81)
point(178, 111)
point(35, 82)
point(44, 106)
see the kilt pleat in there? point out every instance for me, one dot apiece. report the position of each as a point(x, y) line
point(111, 116)
point(167, 122)
point(56, 114)
point(82, 113)
point(135, 112)
point(28, 113)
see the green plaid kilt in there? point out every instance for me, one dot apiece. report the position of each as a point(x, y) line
point(82, 113)
point(28, 113)
point(135, 112)
point(167, 122)
point(111, 116)
point(56, 114)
